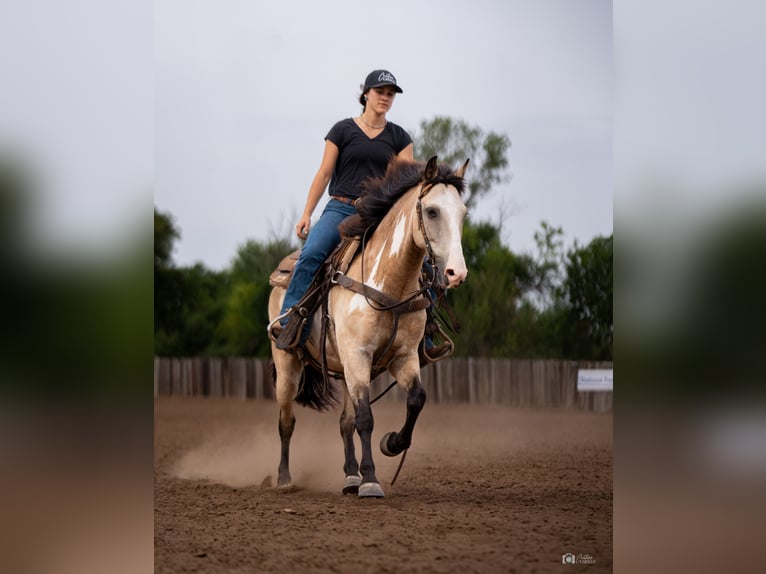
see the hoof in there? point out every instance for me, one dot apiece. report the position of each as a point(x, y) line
point(384, 444)
point(370, 490)
point(351, 484)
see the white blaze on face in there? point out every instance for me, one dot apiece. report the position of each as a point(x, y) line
point(445, 233)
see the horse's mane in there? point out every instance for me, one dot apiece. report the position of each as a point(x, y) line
point(380, 193)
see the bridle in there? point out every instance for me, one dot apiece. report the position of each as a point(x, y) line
point(430, 258)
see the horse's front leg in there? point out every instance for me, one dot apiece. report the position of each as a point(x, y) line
point(370, 486)
point(356, 366)
point(393, 443)
point(347, 427)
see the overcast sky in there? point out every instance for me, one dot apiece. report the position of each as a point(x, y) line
point(220, 109)
point(245, 92)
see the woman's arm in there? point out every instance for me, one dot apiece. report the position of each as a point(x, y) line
point(318, 185)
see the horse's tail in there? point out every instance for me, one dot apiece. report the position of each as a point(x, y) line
point(315, 391)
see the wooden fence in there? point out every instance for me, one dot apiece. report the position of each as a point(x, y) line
point(518, 382)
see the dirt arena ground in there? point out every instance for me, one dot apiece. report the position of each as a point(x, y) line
point(483, 489)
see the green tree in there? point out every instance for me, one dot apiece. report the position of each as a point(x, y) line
point(587, 300)
point(548, 265)
point(454, 141)
point(242, 330)
point(255, 261)
point(165, 235)
point(187, 301)
point(487, 304)
point(202, 312)
point(194, 298)
point(553, 305)
point(538, 321)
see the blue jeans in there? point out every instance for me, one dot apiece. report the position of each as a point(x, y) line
point(322, 239)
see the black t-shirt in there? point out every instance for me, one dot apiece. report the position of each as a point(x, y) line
point(360, 157)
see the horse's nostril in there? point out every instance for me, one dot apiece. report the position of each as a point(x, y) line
point(453, 277)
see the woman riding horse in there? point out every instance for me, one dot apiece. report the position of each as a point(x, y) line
point(375, 312)
point(355, 149)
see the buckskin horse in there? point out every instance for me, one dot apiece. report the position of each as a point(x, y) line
point(374, 314)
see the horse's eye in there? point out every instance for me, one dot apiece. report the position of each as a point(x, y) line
point(432, 213)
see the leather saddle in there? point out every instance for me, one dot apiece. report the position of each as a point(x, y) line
point(281, 276)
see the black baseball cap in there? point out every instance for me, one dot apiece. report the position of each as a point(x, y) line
point(378, 78)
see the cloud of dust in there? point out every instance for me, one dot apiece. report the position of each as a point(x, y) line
point(241, 459)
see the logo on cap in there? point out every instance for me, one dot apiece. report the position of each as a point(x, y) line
point(386, 77)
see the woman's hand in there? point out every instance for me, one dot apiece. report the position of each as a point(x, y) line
point(303, 226)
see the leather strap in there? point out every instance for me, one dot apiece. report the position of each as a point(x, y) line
point(388, 303)
point(346, 200)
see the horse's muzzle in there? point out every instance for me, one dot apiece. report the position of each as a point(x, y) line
point(454, 278)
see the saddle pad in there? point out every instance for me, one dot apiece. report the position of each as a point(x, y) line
point(280, 277)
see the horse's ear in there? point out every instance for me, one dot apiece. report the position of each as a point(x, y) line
point(461, 172)
point(431, 169)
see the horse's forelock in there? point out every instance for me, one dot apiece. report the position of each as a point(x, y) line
point(449, 177)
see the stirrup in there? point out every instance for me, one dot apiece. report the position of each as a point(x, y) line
point(438, 352)
point(274, 328)
point(290, 334)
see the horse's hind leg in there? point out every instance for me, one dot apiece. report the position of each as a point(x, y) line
point(287, 388)
point(286, 428)
point(347, 427)
point(393, 443)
